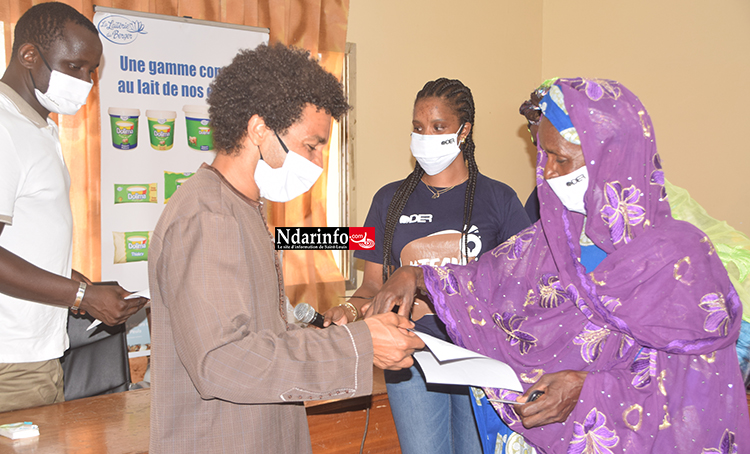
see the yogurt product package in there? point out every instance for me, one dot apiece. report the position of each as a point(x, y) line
point(172, 181)
point(135, 193)
point(131, 246)
point(124, 126)
point(198, 125)
point(161, 128)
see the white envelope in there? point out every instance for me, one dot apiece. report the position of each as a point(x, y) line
point(450, 364)
point(144, 293)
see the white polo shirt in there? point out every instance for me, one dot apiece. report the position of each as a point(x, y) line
point(35, 208)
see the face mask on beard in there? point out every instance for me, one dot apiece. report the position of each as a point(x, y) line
point(571, 189)
point(295, 177)
point(65, 94)
point(435, 153)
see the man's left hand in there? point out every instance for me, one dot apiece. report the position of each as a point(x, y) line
point(561, 391)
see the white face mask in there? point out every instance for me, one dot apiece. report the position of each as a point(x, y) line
point(295, 177)
point(65, 94)
point(435, 152)
point(571, 188)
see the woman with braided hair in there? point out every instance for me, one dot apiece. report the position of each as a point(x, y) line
point(444, 212)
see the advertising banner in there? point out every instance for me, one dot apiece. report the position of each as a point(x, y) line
point(154, 79)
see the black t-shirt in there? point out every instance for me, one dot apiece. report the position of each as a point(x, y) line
point(532, 206)
point(429, 229)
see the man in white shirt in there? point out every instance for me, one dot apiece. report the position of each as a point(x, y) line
point(55, 52)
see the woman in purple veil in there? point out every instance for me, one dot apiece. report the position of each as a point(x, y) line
point(624, 317)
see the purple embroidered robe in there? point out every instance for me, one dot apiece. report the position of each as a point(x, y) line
point(655, 324)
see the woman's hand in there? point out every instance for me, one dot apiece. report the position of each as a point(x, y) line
point(371, 283)
point(338, 315)
point(561, 391)
point(399, 290)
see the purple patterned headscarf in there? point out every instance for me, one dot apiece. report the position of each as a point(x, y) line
point(654, 324)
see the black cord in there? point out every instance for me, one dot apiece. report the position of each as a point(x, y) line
point(367, 424)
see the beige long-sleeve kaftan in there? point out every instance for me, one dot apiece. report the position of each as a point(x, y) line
point(228, 373)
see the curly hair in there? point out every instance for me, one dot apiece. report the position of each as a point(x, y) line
point(43, 24)
point(274, 82)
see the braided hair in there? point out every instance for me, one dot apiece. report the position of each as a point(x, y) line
point(458, 97)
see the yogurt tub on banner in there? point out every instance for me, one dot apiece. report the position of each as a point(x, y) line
point(198, 126)
point(124, 126)
point(161, 128)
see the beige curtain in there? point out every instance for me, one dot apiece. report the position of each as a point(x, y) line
point(317, 25)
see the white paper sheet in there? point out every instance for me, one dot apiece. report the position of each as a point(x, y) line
point(450, 364)
point(144, 293)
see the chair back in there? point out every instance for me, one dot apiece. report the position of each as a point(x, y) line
point(97, 360)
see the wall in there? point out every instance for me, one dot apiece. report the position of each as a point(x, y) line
point(403, 44)
point(686, 59)
point(688, 62)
